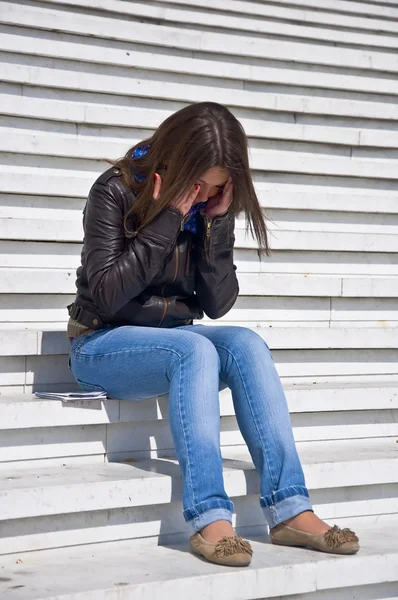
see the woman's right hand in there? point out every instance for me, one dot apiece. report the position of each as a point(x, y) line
point(183, 204)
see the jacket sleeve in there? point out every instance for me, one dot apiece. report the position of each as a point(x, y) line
point(116, 271)
point(216, 281)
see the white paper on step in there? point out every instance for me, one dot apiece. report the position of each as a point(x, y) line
point(72, 396)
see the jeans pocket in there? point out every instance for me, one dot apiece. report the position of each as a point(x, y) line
point(78, 342)
point(90, 387)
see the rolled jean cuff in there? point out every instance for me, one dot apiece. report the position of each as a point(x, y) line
point(285, 504)
point(208, 512)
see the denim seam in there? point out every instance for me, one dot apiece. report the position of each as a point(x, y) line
point(210, 516)
point(183, 430)
point(205, 506)
point(251, 410)
point(291, 491)
point(273, 510)
point(149, 349)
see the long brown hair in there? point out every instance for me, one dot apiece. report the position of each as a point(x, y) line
point(191, 141)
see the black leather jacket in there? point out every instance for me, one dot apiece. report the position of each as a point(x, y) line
point(164, 276)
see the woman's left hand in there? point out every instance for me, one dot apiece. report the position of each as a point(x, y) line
point(218, 205)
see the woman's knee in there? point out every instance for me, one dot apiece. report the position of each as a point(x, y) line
point(196, 346)
point(243, 340)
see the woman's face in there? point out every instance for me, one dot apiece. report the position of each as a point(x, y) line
point(211, 183)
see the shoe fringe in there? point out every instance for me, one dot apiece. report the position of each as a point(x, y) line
point(336, 537)
point(228, 546)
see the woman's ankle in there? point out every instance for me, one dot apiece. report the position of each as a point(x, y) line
point(308, 522)
point(215, 531)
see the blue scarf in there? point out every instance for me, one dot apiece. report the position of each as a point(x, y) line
point(192, 224)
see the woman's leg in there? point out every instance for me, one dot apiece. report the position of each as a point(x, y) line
point(136, 363)
point(262, 413)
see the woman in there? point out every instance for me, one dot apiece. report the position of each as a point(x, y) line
point(157, 254)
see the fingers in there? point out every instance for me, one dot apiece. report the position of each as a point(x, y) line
point(186, 202)
point(156, 186)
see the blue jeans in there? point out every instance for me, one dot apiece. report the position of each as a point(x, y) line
point(191, 364)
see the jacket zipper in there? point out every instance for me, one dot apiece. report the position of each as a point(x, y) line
point(173, 280)
point(207, 238)
point(190, 247)
point(184, 220)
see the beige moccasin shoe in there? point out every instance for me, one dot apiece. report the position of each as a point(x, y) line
point(335, 541)
point(232, 551)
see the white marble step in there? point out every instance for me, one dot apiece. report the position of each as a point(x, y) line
point(305, 159)
point(335, 12)
point(41, 311)
point(86, 502)
point(377, 591)
point(62, 281)
point(28, 342)
point(293, 237)
point(76, 488)
point(322, 15)
point(250, 23)
point(163, 523)
point(25, 411)
point(307, 255)
point(195, 39)
point(25, 374)
point(24, 200)
point(22, 42)
point(153, 439)
point(60, 116)
point(280, 220)
point(360, 106)
point(41, 432)
point(123, 570)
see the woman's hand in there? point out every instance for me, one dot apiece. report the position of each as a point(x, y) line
point(183, 204)
point(218, 205)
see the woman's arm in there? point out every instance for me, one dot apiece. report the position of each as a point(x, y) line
point(116, 271)
point(216, 282)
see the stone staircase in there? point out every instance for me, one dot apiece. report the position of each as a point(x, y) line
point(90, 492)
point(90, 496)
